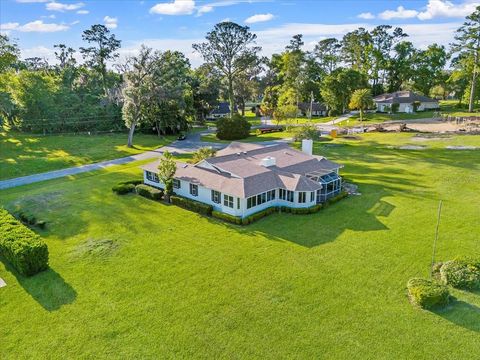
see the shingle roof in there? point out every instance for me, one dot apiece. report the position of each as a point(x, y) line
point(240, 174)
point(305, 106)
point(402, 97)
point(222, 108)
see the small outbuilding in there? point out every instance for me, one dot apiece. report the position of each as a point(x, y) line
point(220, 111)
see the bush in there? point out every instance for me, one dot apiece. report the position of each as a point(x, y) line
point(336, 198)
point(192, 205)
point(234, 128)
point(126, 187)
point(258, 215)
point(227, 217)
point(21, 247)
point(461, 274)
point(427, 293)
point(149, 192)
point(333, 112)
point(123, 188)
point(307, 132)
point(395, 107)
point(29, 219)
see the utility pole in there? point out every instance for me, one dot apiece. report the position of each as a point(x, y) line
point(311, 106)
point(436, 238)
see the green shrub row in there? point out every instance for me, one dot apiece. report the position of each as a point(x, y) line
point(149, 192)
point(126, 187)
point(192, 205)
point(21, 247)
point(461, 273)
point(427, 293)
point(258, 215)
point(227, 217)
point(301, 211)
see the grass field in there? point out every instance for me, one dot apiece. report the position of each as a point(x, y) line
point(25, 154)
point(130, 278)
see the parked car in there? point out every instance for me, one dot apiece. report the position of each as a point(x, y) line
point(181, 137)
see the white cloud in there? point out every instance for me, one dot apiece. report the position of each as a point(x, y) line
point(204, 9)
point(110, 22)
point(259, 18)
point(83, 12)
point(35, 26)
point(177, 7)
point(399, 13)
point(366, 16)
point(444, 8)
point(75, 22)
point(56, 6)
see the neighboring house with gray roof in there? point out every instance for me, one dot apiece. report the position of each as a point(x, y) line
point(245, 178)
point(405, 101)
point(220, 111)
point(318, 109)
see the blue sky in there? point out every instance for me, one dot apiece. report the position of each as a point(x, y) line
point(176, 24)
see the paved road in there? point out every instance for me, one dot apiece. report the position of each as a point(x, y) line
point(192, 143)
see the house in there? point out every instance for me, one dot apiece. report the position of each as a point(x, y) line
point(245, 178)
point(318, 109)
point(405, 101)
point(221, 110)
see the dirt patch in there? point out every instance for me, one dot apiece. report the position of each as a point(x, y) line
point(412, 147)
point(94, 248)
point(462, 147)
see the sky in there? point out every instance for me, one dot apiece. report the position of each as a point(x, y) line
point(175, 24)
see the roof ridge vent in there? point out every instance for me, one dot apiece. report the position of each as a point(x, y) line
point(268, 161)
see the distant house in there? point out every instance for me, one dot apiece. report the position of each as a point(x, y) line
point(245, 178)
point(318, 109)
point(220, 111)
point(405, 101)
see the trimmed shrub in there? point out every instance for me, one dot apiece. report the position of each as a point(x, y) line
point(427, 293)
point(307, 132)
point(336, 198)
point(227, 217)
point(192, 205)
point(149, 192)
point(21, 247)
point(126, 187)
point(460, 274)
point(123, 188)
point(29, 219)
point(259, 215)
point(234, 128)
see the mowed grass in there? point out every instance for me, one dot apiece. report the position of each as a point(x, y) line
point(26, 154)
point(133, 278)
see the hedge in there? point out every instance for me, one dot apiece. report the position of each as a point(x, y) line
point(302, 211)
point(461, 274)
point(192, 205)
point(258, 215)
point(126, 187)
point(149, 192)
point(21, 247)
point(227, 217)
point(427, 293)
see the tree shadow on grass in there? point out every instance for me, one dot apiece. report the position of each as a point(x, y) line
point(462, 314)
point(48, 288)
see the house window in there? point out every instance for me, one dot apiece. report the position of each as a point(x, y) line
point(194, 189)
point(228, 201)
point(270, 195)
point(216, 196)
point(312, 196)
point(152, 177)
point(176, 184)
point(238, 203)
point(261, 198)
point(251, 202)
point(302, 197)
point(286, 195)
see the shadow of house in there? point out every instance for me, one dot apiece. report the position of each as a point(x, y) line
point(462, 314)
point(48, 288)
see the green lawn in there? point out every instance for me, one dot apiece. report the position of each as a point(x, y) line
point(25, 154)
point(130, 278)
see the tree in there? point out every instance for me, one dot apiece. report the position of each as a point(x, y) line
point(138, 90)
point(104, 49)
point(467, 45)
point(428, 68)
point(357, 47)
point(64, 55)
point(166, 171)
point(284, 113)
point(229, 47)
point(361, 100)
point(9, 53)
point(205, 82)
point(203, 153)
point(327, 53)
point(400, 66)
point(270, 100)
point(338, 87)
